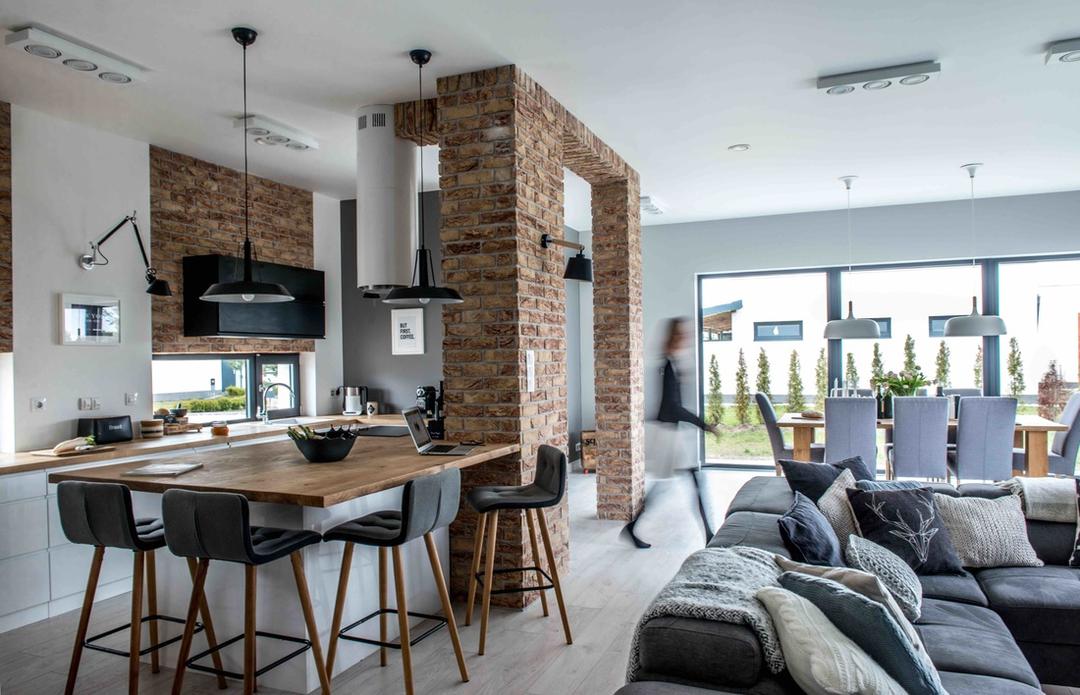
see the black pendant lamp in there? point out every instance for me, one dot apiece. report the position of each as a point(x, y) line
point(246, 290)
point(424, 289)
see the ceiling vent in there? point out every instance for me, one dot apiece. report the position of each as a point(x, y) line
point(268, 132)
point(651, 206)
point(877, 79)
point(42, 44)
point(1067, 51)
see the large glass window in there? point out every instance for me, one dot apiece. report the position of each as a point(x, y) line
point(227, 387)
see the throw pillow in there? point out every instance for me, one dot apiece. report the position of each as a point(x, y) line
point(859, 581)
point(888, 485)
point(988, 532)
point(813, 479)
point(894, 573)
point(857, 466)
point(907, 523)
point(1074, 561)
point(836, 508)
point(869, 624)
point(807, 534)
point(820, 658)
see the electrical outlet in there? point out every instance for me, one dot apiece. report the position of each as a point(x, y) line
point(131, 398)
point(89, 403)
point(96, 403)
point(37, 403)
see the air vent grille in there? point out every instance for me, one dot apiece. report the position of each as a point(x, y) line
point(361, 123)
point(378, 120)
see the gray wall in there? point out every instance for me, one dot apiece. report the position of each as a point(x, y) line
point(674, 254)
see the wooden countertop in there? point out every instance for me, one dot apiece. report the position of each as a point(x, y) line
point(26, 461)
point(277, 472)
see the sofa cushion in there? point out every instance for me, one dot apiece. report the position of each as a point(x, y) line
point(755, 529)
point(810, 479)
point(963, 588)
point(764, 493)
point(988, 532)
point(1039, 604)
point(906, 522)
point(834, 506)
point(1053, 541)
point(891, 570)
point(702, 651)
point(967, 683)
point(661, 688)
point(808, 535)
point(988, 491)
point(962, 638)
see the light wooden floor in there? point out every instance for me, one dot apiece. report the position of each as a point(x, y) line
point(608, 587)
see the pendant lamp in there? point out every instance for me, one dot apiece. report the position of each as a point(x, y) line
point(851, 328)
point(424, 288)
point(974, 324)
point(246, 290)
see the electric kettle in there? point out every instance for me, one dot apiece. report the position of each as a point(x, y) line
point(353, 399)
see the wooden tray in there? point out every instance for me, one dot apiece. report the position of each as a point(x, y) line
point(95, 450)
point(182, 428)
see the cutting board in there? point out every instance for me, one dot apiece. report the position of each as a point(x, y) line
point(95, 450)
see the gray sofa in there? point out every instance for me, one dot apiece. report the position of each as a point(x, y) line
point(991, 631)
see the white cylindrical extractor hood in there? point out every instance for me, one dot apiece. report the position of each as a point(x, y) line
point(386, 200)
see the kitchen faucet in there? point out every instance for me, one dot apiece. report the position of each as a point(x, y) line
point(265, 395)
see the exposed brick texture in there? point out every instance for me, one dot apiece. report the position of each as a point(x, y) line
point(5, 228)
point(198, 208)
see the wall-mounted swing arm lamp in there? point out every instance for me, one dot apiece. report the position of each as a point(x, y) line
point(95, 258)
point(577, 267)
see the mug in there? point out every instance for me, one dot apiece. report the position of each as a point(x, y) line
point(372, 408)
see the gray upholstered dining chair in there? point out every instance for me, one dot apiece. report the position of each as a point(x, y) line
point(920, 434)
point(851, 430)
point(984, 439)
point(1064, 447)
point(780, 449)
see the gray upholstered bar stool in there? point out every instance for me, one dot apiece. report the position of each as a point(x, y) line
point(546, 490)
point(100, 514)
point(427, 504)
point(216, 526)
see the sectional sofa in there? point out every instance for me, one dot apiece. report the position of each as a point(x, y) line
point(988, 632)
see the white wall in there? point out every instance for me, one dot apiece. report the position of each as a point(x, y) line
point(323, 370)
point(588, 373)
point(70, 184)
point(674, 254)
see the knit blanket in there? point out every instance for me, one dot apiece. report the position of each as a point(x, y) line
point(1045, 499)
point(718, 584)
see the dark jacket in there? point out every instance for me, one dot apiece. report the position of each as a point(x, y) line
point(671, 407)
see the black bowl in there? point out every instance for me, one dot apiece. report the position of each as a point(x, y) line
point(324, 450)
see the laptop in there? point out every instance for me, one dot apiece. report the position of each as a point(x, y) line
point(422, 438)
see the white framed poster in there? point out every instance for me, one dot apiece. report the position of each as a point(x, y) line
point(89, 320)
point(407, 331)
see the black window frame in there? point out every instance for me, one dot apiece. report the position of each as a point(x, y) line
point(253, 408)
point(885, 324)
point(943, 318)
point(293, 360)
point(758, 338)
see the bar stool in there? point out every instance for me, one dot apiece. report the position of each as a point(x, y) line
point(546, 490)
point(427, 504)
point(100, 514)
point(215, 526)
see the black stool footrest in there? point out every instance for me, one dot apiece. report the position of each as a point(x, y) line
point(88, 643)
point(439, 620)
point(520, 589)
point(304, 646)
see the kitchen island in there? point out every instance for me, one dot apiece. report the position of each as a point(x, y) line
point(286, 491)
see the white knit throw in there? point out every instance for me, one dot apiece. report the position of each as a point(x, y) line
point(1045, 499)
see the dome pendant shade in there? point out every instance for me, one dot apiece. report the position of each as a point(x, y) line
point(246, 291)
point(974, 324)
point(852, 328)
point(579, 268)
point(423, 290)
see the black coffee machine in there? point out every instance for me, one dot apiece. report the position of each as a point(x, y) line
point(430, 402)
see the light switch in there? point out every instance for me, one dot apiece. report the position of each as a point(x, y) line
point(530, 371)
point(131, 398)
point(89, 403)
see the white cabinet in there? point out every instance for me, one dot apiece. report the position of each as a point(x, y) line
point(23, 527)
point(69, 566)
point(21, 486)
point(25, 581)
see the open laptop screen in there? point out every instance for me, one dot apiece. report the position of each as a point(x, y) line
point(419, 431)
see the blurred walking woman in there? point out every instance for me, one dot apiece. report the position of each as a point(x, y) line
point(672, 412)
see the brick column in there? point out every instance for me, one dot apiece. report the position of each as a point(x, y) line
point(500, 165)
point(6, 316)
point(618, 349)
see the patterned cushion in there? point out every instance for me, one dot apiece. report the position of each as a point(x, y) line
point(988, 532)
point(894, 573)
point(869, 485)
point(836, 508)
point(906, 522)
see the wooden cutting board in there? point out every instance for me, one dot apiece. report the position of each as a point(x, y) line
point(95, 450)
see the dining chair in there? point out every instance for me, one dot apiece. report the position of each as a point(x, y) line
point(851, 430)
point(962, 393)
point(920, 434)
point(1064, 447)
point(984, 439)
point(780, 449)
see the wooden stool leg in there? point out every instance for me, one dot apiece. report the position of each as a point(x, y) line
point(198, 581)
point(448, 608)
point(249, 629)
point(403, 619)
point(309, 618)
point(339, 605)
point(151, 608)
point(208, 626)
point(136, 622)
point(489, 571)
point(84, 618)
point(383, 600)
point(477, 551)
point(536, 559)
point(554, 573)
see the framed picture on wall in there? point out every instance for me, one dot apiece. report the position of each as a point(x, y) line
point(89, 320)
point(407, 331)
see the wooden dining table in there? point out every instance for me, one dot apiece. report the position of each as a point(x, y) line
point(1031, 434)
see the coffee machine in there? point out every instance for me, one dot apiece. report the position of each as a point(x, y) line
point(430, 402)
point(353, 399)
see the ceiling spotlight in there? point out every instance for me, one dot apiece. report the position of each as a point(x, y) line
point(257, 132)
point(650, 205)
point(1067, 51)
point(80, 65)
point(40, 51)
point(877, 79)
point(265, 141)
point(275, 139)
point(1070, 57)
point(114, 77)
point(296, 146)
point(740, 147)
point(267, 131)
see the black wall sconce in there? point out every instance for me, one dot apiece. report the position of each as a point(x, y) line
point(95, 258)
point(578, 267)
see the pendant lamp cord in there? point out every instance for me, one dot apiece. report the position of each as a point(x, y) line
point(244, 130)
point(420, 146)
point(974, 244)
point(847, 185)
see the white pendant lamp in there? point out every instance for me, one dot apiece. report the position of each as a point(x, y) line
point(851, 328)
point(974, 324)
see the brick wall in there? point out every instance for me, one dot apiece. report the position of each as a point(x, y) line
point(5, 228)
point(198, 208)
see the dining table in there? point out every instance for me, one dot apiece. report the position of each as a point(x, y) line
point(1031, 434)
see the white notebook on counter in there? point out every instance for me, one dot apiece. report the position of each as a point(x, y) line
point(163, 469)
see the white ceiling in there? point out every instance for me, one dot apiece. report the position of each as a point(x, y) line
point(668, 85)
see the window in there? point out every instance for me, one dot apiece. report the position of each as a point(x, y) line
point(777, 330)
point(886, 327)
point(937, 325)
point(227, 386)
point(716, 336)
